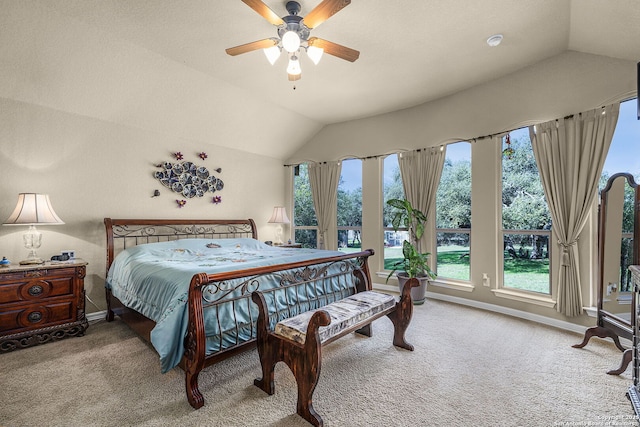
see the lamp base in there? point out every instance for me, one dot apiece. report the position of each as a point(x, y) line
point(30, 261)
point(278, 238)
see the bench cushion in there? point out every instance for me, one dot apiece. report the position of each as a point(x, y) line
point(344, 313)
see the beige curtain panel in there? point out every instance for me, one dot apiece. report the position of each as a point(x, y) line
point(324, 179)
point(570, 154)
point(421, 171)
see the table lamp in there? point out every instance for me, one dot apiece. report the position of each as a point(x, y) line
point(33, 209)
point(279, 217)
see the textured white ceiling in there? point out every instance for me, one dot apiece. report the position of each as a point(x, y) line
point(411, 51)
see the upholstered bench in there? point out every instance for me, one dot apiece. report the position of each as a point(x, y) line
point(298, 340)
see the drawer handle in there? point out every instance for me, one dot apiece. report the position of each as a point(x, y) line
point(35, 290)
point(33, 274)
point(34, 317)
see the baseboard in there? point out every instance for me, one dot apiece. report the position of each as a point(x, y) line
point(96, 316)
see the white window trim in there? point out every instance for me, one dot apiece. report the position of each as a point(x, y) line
point(458, 285)
point(525, 296)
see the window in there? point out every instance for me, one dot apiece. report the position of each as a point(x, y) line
point(392, 188)
point(305, 224)
point(350, 206)
point(624, 152)
point(624, 156)
point(526, 221)
point(453, 214)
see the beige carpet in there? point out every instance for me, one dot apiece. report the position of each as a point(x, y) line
point(470, 368)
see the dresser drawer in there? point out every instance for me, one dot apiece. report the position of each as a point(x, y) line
point(35, 289)
point(17, 318)
point(15, 276)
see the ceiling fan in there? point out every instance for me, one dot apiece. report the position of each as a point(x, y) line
point(293, 35)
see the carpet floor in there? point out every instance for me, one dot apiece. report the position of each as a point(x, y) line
point(469, 368)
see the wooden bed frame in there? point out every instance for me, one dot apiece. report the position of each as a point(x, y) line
point(124, 233)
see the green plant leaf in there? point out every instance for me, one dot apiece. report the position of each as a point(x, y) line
point(396, 203)
point(419, 230)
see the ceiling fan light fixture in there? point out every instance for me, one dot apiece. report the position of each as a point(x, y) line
point(294, 66)
point(272, 53)
point(291, 41)
point(293, 35)
point(315, 54)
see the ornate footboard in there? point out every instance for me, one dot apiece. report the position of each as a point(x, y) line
point(318, 281)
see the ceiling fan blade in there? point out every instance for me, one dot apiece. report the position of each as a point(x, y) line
point(249, 47)
point(324, 11)
point(264, 11)
point(335, 49)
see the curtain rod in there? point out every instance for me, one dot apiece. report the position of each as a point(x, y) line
point(384, 155)
point(470, 140)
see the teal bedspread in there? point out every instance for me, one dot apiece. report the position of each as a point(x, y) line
point(154, 278)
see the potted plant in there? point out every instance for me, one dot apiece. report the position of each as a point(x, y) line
point(414, 263)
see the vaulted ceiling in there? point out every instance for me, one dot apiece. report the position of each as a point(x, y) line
point(411, 51)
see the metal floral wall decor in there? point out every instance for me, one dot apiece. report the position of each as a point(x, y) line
point(187, 179)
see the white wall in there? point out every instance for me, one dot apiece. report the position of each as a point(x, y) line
point(93, 169)
point(84, 116)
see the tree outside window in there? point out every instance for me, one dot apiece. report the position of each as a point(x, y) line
point(453, 214)
point(526, 220)
point(305, 223)
point(350, 206)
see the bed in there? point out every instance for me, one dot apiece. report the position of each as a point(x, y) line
point(185, 286)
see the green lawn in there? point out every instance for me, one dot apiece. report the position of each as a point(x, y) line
point(453, 262)
point(527, 274)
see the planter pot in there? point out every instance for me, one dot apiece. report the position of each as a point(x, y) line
point(418, 293)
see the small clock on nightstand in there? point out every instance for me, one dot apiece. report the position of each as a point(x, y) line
point(41, 303)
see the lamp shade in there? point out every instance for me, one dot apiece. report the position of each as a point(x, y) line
point(315, 53)
point(272, 53)
point(33, 209)
point(279, 216)
point(294, 66)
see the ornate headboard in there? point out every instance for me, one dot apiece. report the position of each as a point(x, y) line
point(124, 233)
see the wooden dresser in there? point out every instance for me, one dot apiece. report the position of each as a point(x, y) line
point(41, 303)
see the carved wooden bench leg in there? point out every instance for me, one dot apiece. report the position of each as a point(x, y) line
point(269, 350)
point(365, 330)
point(302, 352)
point(305, 363)
point(401, 316)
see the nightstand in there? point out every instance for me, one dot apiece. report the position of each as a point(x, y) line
point(41, 303)
point(289, 245)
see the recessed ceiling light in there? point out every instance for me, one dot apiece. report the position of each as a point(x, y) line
point(494, 40)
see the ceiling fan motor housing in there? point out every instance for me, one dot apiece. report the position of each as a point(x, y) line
point(293, 22)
